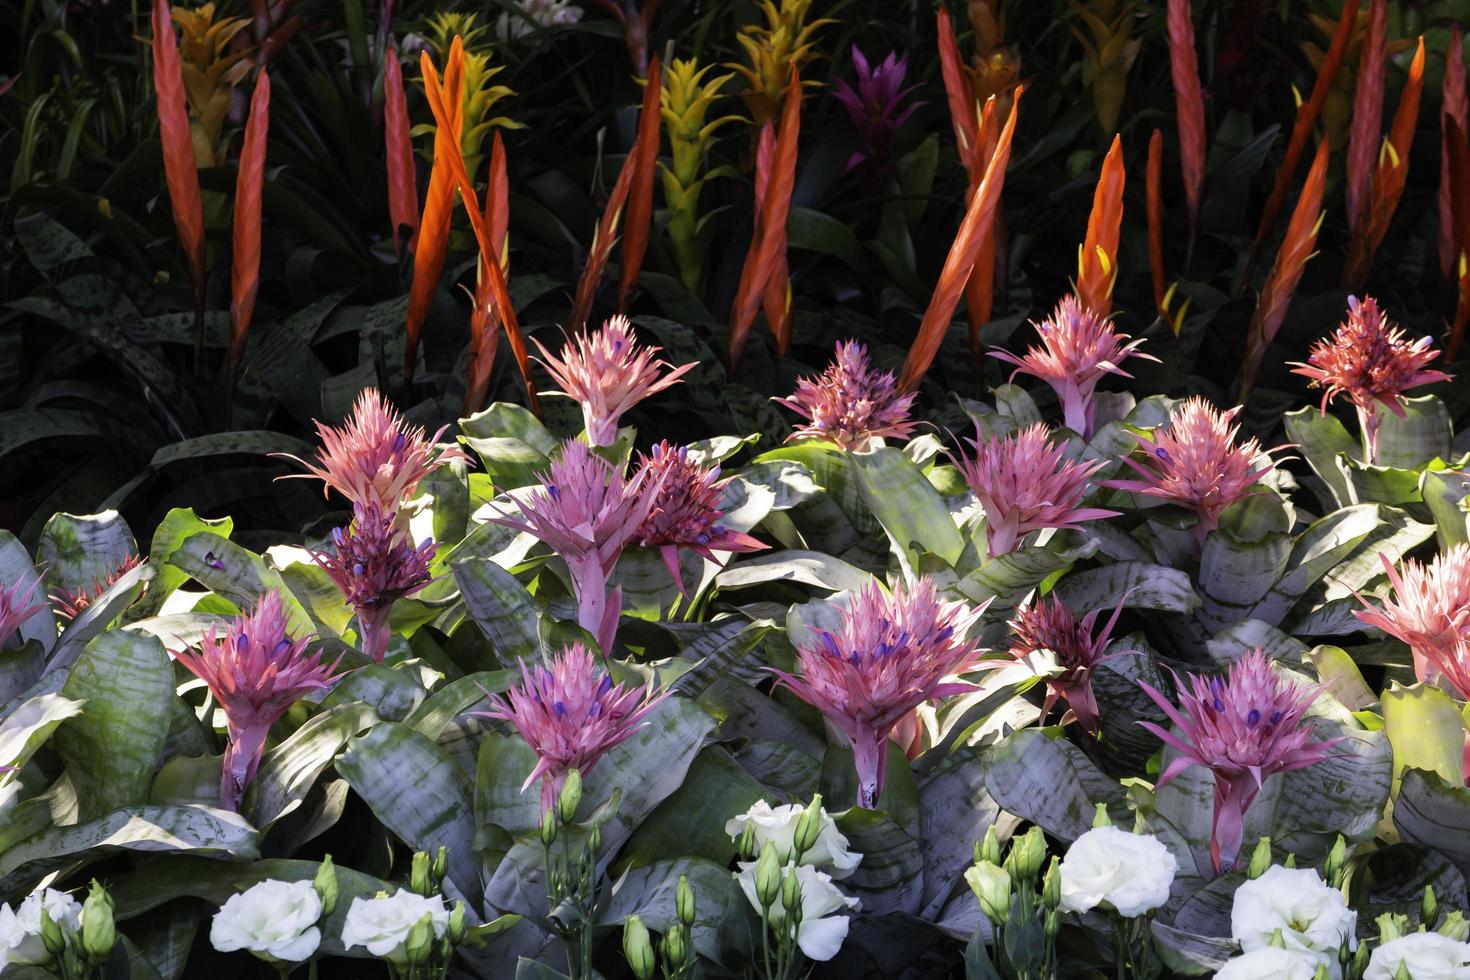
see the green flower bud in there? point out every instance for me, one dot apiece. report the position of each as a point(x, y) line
point(1053, 923)
point(1321, 973)
point(1336, 861)
point(1455, 926)
point(420, 943)
point(990, 847)
point(1429, 908)
point(1360, 960)
point(768, 877)
point(1391, 926)
point(637, 949)
point(571, 796)
point(441, 863)
point(676, 947)
point(1403, 971)
point(594, 840)
point(808, 828)
point(325, 884)
point(1100, 816)
point(791, 893)
point(51, 935)
point(457, 928)
point(1051, 885)
point(1026, 855)
point(992, 886)
point(418, 877)
point(747, 843)
point(684, 902)
point(548, 828)
point(1290, 861)
point(99, 933)
point(1260, 859)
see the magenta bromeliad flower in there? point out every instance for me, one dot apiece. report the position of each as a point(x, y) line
point(686, 509)
point(1078, 348)
point(256, 671)
point(570, 712)
point(1026, 483)
point(1050, 625)
point(850, 403)
point(1244, 728)
point(375, 457)
point(1430, 611)
point(1372, 363)
point(16, 607)
point(889, 654)
point(588, 512)
point(608, 373)
point(877, 107)
point(1196, 462)
point(71, 603)
point(374, 563)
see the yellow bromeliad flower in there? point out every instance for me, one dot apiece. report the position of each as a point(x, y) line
point(784, 42)
point(1111, 49)
point(687, 97)
point(480, 92)
point(210, 73)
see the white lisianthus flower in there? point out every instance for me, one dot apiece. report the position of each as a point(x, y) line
point(777, 826)
point(382, 924)
point(1424, 955)
point(1129, 872)
point(537, 14)
point(821, 932)
point(1270, 963)
point(1308, 913)
point(20, 929)
point(275, 920)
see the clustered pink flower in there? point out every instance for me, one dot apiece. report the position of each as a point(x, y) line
point(1430, 611)
point(1371, 362)
point(1049, 625)
point(1197, 462)
point(570, 712)
point(71, 603)
point(1026, 483)
point(1244, 728)
point(16, 607)
point(686, 509)
point(889, 654)
point(608, 373)
point(850, 403)
point(255, 671)
point(374, 563)
point(1078, 347)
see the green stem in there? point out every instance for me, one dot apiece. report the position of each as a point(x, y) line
point(1120, 936)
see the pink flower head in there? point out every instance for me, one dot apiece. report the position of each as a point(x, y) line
point(686, 509)
point(570, 712)
point(608, 373)
point(374, 563)
point(1430, 611)
point(1244, 728)
point(1049, 625)
point(1195, 462)
point(16, 607)
point(256, 671)
point(889, 654)
point(71, 603)
point(375, 457)
point(1077, 348)
point(1369, 361)
point(850, 403)
point(588, 512)
point(1026, 483)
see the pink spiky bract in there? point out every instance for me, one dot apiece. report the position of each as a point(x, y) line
point(1430, 611)
point(16, 607)
point(71, 603)
point(888, 655)
point(255, 671)
point(1244, 727)
point(686, 509)
point(1371, 362)
point(570, 713)
point(374, 563)
point(1049, 625)
point(1078, 347)
point(608, 372)
point(1025, 482)
point(850, 403)
point(1197, 462)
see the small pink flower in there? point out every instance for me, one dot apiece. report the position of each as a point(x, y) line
point(256, 671)
point(375, 457)
point(1196, 462)
point(1077, 348)
point(1244, 728)
point(890, 654)
point(1026, 483)
point(1430, 611)
point(686, 509)
point(16, 607)
point(1369, 361)
point(570, 712)
point(608, 373)
point(374, 563)
point(71, 603)
point(1049, 625)
point(850, 403)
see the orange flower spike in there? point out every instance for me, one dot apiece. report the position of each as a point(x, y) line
point(1460, 221)
point(603, 238)
point(979, 218)
point(957, 91)
point(180, 171)
point(1155, 201)
point(249, 185)
point(1365, 138)
point(980, 289)
point(484, 321)
point(776, 301)
point(403, 195)
point(1097, 268)
point(1189, 104)
point(1454, 106)
point(639, 218)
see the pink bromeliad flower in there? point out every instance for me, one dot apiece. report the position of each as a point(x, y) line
point(375, 457)
point(1244, 728)
point(608, 373)
point(374, 563)
point(1430, 611)
point(686, 509)
point(570, 712)
point(16, 607)
point(1372, 363)
point(890, 654)
point(1078, 348)
point(255, 671)
point(588, 513)
point(1197, 462)
point(1026, 483)
point(1049, 625)
point(71, 603)
point(850, 403)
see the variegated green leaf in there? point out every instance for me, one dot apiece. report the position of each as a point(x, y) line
point(80, 551)
point(500, 606)
point(289, 770)
point(1145, 585)
point(907, 505)
point(1431, 811)
point(28, 727)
